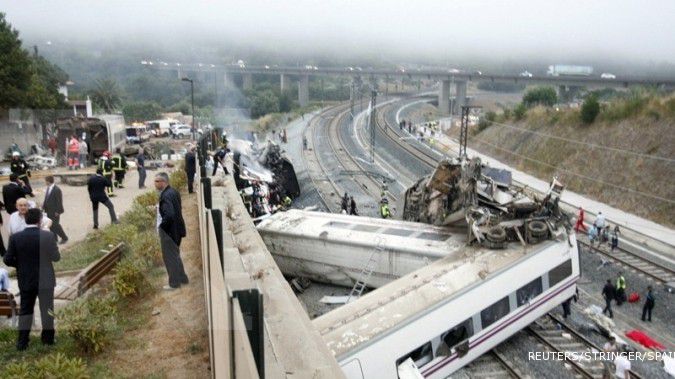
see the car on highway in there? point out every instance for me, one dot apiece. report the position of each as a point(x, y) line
point(181, 131)
point(526, 74)
point(607, 75)
point(453, 71)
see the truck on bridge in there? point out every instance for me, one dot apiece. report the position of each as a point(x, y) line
point(569, 70)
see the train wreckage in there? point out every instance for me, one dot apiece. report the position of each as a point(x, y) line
point(466, 192)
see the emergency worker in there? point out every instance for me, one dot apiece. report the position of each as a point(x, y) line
point(620, 289)
point(384, 208)
point(19, 167)
point(119, 167)
point(73, 153)
point(105, 164)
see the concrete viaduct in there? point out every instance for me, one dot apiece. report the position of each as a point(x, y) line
point(446, 78)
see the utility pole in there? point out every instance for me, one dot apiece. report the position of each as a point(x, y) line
point(464, 130)
point(352, 97)
point(373, 102)
point(192, 98)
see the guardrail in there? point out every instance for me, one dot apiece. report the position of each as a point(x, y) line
point(230, 347)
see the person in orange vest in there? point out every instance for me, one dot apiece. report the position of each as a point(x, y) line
point(580, 221)
point(73, 153)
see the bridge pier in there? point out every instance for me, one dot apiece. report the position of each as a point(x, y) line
point(460, 97)
point(284, 82)
point(303, 90)
point(444, 97)
point(247, 81)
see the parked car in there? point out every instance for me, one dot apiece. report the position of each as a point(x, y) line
point(180, 131)
point(607, 75)
point(526, 74)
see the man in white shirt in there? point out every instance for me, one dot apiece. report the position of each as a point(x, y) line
point(622, 367)
point(600, 221)
point(17, 220)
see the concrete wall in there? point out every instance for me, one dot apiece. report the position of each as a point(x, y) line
point(19, 127)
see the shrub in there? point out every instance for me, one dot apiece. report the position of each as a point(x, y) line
point(114, 234)
point(129, 277)
point(89, 322)
point(519, 111)
point(590, 109)
point(146, 247)
point(507, 113)
point(540, 96)
point(486, 121)
point(53, 366)
point(147, 199)
point(178, 179)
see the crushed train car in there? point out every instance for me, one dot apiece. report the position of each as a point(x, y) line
point(101, 133)
point(466, 192)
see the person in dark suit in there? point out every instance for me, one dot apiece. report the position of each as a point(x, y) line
point(12, 192)
point(96, 186)
point(2, 242)
point(171, 229)
point(53, 207)
point(32, 252)
point(190, 168)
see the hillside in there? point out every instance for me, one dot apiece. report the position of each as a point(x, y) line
point(600, 164)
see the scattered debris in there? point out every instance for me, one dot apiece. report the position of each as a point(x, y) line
point(467, 192)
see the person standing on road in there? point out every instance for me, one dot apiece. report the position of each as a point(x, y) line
point(592, 234)
point(53, 207)
point(190, 167)
point(96, 186)
point(84, 153)
point(352, 207)
point(140, 166)
point(615, 238)
point(649, 305)
point(609, 293)
point(73, 153)
point(119, 166)
point(580, 221)
point(600, 221)
point(105, 165)
point(32, 252)
point(13, 191)
point(620, 289)
point(19, 167)
point(171, 229)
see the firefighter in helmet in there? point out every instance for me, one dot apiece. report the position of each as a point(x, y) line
point(105, 164)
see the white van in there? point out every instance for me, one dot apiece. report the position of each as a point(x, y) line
point(160, 128)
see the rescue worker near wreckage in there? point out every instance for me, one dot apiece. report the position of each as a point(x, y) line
point(105, 165)
point(119, 167)
point(19, 167)
point(384, 208)
point(73, 153)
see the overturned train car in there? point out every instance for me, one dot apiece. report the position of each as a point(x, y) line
point(101, 133)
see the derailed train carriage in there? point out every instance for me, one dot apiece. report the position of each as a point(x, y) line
point(101, 133)
point(517, 259)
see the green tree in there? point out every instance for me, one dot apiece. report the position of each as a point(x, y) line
point(285, 102)
point(15, 67)
point(540, 96)
point(141, 111)
point(106, 95)
point(264, 103)
point(590, 109)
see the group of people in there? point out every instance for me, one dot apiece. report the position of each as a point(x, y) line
point(611, 292)
point(31, 249)
point(600, 232)
point(34, 234)
point(403, 123)
point(348, 205)
point(78, 152)
point(114, 168)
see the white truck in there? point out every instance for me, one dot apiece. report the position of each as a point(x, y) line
point(569, 70)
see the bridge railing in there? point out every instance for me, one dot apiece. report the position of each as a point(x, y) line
point(231, 354)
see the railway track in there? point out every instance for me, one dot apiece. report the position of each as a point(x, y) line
point(492, 365)
point(651, 269)
point(557, 336)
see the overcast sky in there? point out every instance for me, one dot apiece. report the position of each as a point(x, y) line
point(505, 29)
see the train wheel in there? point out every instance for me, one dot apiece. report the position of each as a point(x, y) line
point(496, 234)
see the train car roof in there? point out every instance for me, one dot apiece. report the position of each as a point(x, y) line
point(366, 231)
point(357, 323)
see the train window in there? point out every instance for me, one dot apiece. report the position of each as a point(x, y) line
point(433, 236)
point(421, 356)
point(494, 312)
point(398, 232)
point(366, 228)
point(337, 224)
point(559, 273)
point(455, 336)
point(529, 291)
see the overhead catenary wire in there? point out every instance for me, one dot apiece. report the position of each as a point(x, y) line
point(652, 196)
point(589, 144)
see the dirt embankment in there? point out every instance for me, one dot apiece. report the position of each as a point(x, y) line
point(613, 161)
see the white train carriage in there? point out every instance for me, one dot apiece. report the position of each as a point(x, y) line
point(441, 317)
point(335, 248)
